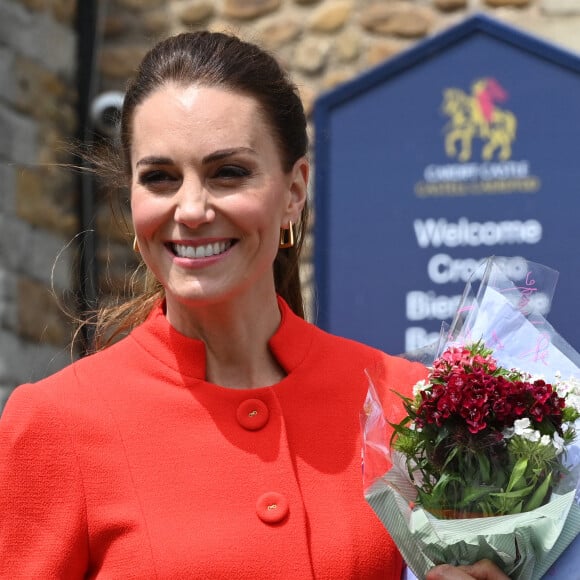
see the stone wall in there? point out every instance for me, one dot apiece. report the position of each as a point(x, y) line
point(322, 42)
point(37, 198)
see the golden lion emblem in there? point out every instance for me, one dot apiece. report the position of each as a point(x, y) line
point(477, 116)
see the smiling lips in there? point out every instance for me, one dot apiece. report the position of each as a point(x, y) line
point(203, 251)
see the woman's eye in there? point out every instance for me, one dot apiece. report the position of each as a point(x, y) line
point(231, 172)
point(154, 177)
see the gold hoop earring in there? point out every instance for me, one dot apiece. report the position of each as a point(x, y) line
point(136, 248)
point(287, 236)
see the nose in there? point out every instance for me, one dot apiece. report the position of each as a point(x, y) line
point(193, 206)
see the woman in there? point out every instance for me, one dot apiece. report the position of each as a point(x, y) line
point(220, 439)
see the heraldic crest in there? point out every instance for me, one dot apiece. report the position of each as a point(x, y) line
point(476, 116)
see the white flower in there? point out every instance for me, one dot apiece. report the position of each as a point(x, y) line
point(521, 425)
point(573, 400)
point(522, 428)
point(546, 440)
point(532, 435)
point(508, 433)
point(569, 388)
point(558, 443)
point(419, 386)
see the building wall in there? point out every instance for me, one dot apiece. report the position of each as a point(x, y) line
point(322, 42)
point(37, 199)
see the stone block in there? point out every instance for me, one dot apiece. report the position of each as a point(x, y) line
point(335, 77)
point(115, 25)
point(7, 288)
point(13, 364)
point(8, 300)
point(279, 32)
point(7, 189)
point(65, 10)
point(562, 32)
point(57, 103)
point(24, 362)
point(40, 318)
point(8, 84)
point(397, 19)
point(248, 9)
point(330, 16)
point(380, 51)
point(140, 5)
point(156, 22)
point(450, 5)
point(18, 138)
point(9, 359)
point(46, 198)
point(121, 62)
point(40, 37)
point(53, 146)
point(5, 391)
point(36, 5)
point(347, 45)
point(38, 254)
point(508, 3)
point(13, 15)
point(196, 11)
point(311, 55)
point(560, 7)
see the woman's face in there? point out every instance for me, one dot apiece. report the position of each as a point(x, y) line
point(209, 194)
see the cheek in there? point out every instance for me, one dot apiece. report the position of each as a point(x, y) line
point(147, 215)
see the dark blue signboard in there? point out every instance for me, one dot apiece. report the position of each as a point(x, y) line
point(466, 146)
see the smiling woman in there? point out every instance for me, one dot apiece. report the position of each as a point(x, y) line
point(184, 70)
point(221, 437)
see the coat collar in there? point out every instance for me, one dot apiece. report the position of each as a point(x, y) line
point(289, 344)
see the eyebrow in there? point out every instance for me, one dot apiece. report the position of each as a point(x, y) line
point(216, 156)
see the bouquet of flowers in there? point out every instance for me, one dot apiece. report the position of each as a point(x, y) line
point(483, 440)
point(480, 463)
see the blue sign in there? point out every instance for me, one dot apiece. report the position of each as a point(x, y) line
point(466, 146)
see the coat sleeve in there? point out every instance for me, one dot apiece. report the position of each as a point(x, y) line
point(395, 379)
point(43, 528)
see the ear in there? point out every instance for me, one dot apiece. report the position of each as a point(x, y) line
point(298, 189)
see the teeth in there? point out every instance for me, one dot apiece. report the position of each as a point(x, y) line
point(201, 251)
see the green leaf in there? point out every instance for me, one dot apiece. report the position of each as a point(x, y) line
point(450, 457)
point(516, 494)
point(517, 477)
point(517, 509)
point(484, 467)
point(539, 495)
point(440, 488)
point(473, 495)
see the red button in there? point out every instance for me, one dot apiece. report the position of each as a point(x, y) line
point(272, 507)
point(252, 414)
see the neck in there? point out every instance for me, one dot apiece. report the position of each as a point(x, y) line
point(236, 334)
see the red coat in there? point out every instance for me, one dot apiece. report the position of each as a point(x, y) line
point(128, 464)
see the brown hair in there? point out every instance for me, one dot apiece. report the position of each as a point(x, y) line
point(216, 60)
